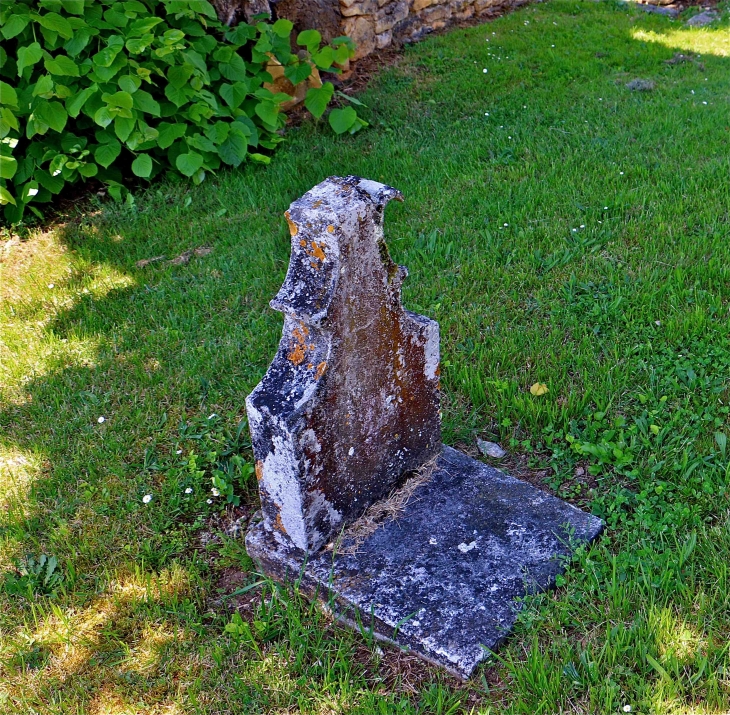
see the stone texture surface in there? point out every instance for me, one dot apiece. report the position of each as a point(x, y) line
point(379, 23)
point(446, 574)
point(704, 18)
point(350, 404)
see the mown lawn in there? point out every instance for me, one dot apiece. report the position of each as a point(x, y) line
point(562, 228)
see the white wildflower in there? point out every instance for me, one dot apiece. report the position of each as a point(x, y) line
point(189, 490)
point(147, 498)
point(215, 492)
point(208, 501)
point(101, 420)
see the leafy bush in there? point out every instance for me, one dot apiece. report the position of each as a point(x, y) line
point(112, 88)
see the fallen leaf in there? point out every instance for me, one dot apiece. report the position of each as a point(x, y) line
point(538, 389)
point(182, 260)
point(146, 261)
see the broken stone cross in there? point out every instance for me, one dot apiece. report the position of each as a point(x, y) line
point(346, 435)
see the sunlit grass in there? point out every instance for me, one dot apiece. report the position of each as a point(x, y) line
point(703, 40)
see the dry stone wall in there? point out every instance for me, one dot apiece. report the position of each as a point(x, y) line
point(376, 24)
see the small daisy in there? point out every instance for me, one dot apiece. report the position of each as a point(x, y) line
point(485, 70)
point(101, 420)
point(215, 492)
point(147, 498)
point(582, 225)
point(626, 708)
point(51, 286)
point(179, 451)
point(208, 501)
point(189, 490)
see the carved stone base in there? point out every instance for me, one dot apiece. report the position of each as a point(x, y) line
point(443, 578)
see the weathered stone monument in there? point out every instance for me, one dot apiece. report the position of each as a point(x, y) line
point(346, 429)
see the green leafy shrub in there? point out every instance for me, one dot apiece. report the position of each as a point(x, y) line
point(111, 88)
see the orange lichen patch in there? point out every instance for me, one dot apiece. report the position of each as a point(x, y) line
point(259, 470)
point(320, 370)
point(293, 230)
point(302, 242)
point(317, 204)
point(298, 346)
point(330, 229)
point(317, 251)
point(279, 524)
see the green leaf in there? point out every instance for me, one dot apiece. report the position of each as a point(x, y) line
point(54, 184)
point(29, 191)
point(8, 167)
point(188, 164)
point(103, 117)
point(53, 114)
point(44, 86)
point(234, 94)
point(142, 166)
point(89, 169)
point(233, 70)
point(106, 154)
point(353, 100)
point(309, 39)
point(8, 95)
point(28, 56)
point(178, 97)
point(143, 26)
point(123, 127)
point(241, 34)
point(75, 104)
point(118, 99)
point(217, 132)
point(169, 133)
point(8, 121)
point(78, 42)
point(73, 7)
point(318, 98)
point(341, 120)
point(298, 72)
point(6, 197)
point(178, 75)
point(324, 58)
point(268, 112)
point(198, 141)
point(145, 103)
point(234, 149)
point(282, 28)
point(129, 83)
point(135, 45)
point(62, 65)
point(261, 158)
point(13, 26)
point(55, 22)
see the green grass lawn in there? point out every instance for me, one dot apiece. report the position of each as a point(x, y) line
point(560, 227)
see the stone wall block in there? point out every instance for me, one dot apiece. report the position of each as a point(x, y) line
point(384, 39)
point(419, 5)
point(436, 14)
point(361, 29)
point(364, 7)
point(390, 15)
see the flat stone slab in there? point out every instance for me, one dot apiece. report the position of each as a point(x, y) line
point(443, 578)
